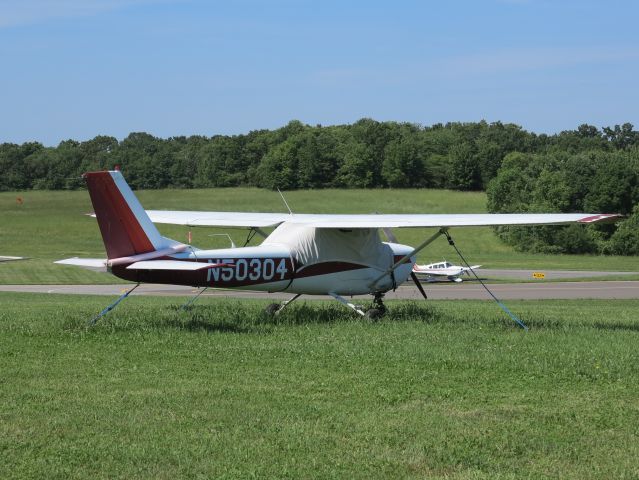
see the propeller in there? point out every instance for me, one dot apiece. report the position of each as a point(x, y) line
point(418, 285)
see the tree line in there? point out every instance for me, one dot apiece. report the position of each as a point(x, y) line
point(365, 154)
point(591, 181)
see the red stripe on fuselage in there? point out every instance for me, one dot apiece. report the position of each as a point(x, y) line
point(199, 277)
point(122, 233)
point(326, 268)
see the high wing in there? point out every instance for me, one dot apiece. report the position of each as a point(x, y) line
point(244, 219)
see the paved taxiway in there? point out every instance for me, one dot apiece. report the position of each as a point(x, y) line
point(436, 291)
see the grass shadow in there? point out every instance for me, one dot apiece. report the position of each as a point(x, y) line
point(553, 322)
point(240, 318)
point(195, 324)
point(612, 326)
point(308, 313)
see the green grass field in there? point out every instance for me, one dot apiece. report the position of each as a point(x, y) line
point(51, 225)
point(435, 390)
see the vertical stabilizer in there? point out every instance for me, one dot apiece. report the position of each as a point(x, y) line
point(126, 228)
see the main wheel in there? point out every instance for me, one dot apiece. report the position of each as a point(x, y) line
point(272, 308)
point(374, 313)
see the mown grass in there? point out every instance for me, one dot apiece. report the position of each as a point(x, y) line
point(51, 225)
point(434, 390)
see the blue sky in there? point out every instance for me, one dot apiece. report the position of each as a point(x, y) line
point(79, 68)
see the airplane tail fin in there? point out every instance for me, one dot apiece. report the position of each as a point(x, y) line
point(125, 226)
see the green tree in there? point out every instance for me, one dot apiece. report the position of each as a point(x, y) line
point(622, 137)
point(279, 167)
point(220, 163)
point(317, 158)
point(358, 166)
point(16, 174)
point(403, 164)
point(464, 168)
point(625, 240)
point(184, 167)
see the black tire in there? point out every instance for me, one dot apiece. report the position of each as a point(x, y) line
point(374, 313)
point(272, 308)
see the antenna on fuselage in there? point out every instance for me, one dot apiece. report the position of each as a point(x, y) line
point(285, 203)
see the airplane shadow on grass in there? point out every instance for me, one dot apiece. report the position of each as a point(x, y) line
point(238, 318)
point(249, 320)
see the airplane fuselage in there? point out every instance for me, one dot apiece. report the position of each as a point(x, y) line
point(274, 269)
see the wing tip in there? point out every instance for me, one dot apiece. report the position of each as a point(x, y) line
point(601, 218)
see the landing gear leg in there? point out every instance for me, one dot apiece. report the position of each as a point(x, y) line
point(379, 309)
point(276, 308)
point(343, 301)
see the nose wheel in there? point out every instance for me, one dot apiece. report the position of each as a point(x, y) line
point(379, 309)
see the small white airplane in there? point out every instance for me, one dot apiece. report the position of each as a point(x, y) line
point(435, 271)
point(305, 254)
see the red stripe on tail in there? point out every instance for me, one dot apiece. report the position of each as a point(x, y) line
point(121, 231)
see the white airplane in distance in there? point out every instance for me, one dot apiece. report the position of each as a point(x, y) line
point(435, 271)
point(305, 254)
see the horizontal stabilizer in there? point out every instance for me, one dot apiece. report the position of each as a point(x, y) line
point(96, 264)
point(178, 265)
point(148, 256)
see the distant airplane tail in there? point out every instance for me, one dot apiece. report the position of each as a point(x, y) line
point(126, 228)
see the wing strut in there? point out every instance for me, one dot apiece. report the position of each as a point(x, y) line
point(402, 260)
point(188, 304)
point(112, 306)
point(514, 317)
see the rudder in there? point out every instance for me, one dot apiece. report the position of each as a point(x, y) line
point(125, 227)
